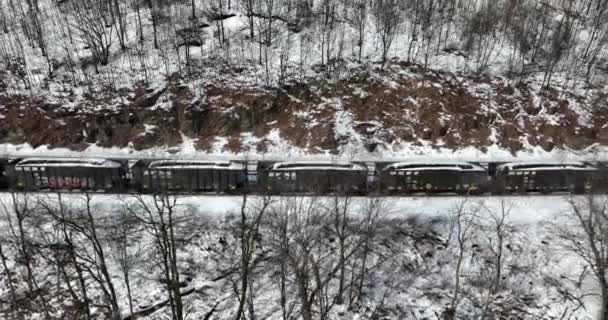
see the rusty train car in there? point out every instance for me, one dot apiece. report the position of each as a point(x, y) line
point(300, 177)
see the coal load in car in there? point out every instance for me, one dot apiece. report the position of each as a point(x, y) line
point(194, 176)
point(66, 174)
point(315, 177)
point(545, 177)
point(432, 177)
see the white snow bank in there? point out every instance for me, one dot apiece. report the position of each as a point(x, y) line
point(279, 150)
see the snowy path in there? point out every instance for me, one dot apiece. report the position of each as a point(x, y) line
point(525, 209)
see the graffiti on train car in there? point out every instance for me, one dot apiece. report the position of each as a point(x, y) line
point(71, 183)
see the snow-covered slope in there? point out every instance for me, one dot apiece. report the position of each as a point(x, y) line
point(453, 91)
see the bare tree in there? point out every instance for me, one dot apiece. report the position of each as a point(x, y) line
point(372, 213)
point(140, 31)
point(249, 227)
point(340, 216)
point(599, 34)
point(300, 228)
point(193, 6)
point(497, 229)
point(358, 20)
point(88, 17)
point(120, 23)
point(462, 218)
point(585, 233)
point(124, 238)
point(248, 4)
point(19, 213)
point(298, 232)
point(388, 18)
point(66, 246)
point(159, 217)
point(154, 17)
point(8, 275)
point(86, 244)
point(90, 248)
point(278, 224)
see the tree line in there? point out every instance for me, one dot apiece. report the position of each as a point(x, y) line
point(524, 37)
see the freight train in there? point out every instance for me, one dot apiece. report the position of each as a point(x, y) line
point(299, 177)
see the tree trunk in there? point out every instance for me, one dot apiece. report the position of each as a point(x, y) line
point(9, 280)
point(121, 26)
point(193, 10)
point(454, 302)
point(129, 295)
point(604, 292)
point(141, 31)
point(153, 17)
point(174, 269)
point(498, 275)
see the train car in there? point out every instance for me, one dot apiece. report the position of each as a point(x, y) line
point(93, 174)
point(433, 177)
point(3, 173)
point(316, 177)
point(544, 177)
point(194, 176)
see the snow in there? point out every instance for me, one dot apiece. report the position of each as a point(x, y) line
point(439, 165)
point(317, 165)
point(546, 166)
point(279, 149)
point(526, 210)
point(148, 129)
point(63, 162)
point(190, 164)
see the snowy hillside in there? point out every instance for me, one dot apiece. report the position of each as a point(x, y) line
point(354, 78)
point(401, 258)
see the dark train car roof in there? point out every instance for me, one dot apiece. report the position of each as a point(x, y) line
point(547, 166)
point(61, 162)
point(195, 164)
point(318, 165)
point(430, 166)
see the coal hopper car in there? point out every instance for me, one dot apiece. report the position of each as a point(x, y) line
point(33, 174)
point(314, 177)
point(193, 176)
point(432, 177)
point(545, 177)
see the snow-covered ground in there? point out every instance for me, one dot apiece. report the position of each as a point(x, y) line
point(411, 263)
point(287, 152)
point(526, 209)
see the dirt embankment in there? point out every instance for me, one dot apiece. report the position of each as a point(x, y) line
point(400, 104)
